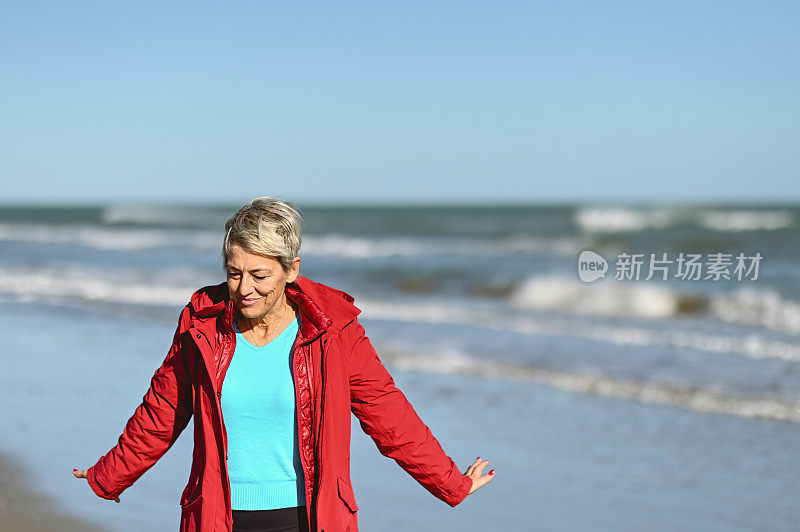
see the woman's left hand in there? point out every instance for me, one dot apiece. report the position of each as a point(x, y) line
point(475, 472)
point(84, 474)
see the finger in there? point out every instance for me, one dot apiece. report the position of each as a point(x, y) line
point(471, 468)
point(80, 474)
point(485, 479)
point(481, 466)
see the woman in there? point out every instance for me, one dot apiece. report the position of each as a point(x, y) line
point(283, 361)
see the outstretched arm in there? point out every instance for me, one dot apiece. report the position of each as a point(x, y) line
point(152, 429)
point(389, 419)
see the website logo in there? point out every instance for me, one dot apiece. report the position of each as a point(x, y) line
point(591, 266)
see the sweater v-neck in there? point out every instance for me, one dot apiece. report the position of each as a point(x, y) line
point(251, 345)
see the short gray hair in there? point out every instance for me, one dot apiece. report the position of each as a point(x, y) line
point(267, 225)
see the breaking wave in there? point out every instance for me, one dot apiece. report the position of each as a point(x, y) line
point(622, 219)
point(746, 220)
point(108, 238)
point(610, 298)
point(52, 285)
point(744, 306)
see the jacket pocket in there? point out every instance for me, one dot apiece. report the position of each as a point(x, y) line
point(192, 503)
point(191, 492)
point(347, 495)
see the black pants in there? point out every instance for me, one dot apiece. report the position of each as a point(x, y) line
point(281, 520)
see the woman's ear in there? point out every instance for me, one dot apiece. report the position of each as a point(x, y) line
point(294, 272)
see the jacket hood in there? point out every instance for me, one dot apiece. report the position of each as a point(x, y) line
point(321, 305)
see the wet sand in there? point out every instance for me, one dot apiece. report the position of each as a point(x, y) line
point(24, 510)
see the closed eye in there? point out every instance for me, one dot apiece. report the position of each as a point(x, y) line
point(256, 277)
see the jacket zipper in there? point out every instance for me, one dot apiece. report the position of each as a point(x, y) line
point(226, 347)
point(231, 347)
point(218, 394)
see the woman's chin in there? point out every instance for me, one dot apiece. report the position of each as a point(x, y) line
point(251, 312)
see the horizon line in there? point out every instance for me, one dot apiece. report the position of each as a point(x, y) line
point(362, 203)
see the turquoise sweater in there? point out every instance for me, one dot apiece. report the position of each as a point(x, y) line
point(258, 406)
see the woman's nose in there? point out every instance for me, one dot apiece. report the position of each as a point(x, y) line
point(244, 284)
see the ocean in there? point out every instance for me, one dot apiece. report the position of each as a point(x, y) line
point(643, 403)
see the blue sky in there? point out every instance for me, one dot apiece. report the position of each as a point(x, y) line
point(413, 101)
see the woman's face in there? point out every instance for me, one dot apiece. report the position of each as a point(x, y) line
point(256, 282)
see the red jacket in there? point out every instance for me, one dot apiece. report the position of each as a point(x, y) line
point(336, 371)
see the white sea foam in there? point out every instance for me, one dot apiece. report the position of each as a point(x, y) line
point(745, 220)
point(618, 219)
point(752, 345)
point(690, 398)
point(107, 237)
point(53, 285)
point(766, 308)
point(608, 298)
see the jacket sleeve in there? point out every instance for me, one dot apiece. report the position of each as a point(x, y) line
point(389, 419)
point(154, 426)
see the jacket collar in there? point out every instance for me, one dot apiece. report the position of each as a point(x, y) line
point(321, 306)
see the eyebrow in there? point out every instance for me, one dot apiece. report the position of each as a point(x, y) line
point(254, 270)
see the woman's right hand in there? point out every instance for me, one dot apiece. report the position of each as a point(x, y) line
point(475, 472)
point(83, 474)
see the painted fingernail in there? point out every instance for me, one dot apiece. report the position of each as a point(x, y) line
point(478, 458)
point(491, 472)
point(74, 470)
